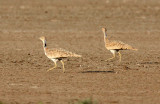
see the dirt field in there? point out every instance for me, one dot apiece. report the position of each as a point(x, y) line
point(75, 25)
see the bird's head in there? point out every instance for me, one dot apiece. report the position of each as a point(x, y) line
point(104, 29)
point(42, 38)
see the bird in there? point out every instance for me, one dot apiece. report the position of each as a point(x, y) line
point(115, 46)
point(56, 54)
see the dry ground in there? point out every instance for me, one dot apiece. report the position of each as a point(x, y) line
point(75, 25)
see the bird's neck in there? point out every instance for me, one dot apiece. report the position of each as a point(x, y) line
point(105, 36)
point(106, 40)
point(44, 46)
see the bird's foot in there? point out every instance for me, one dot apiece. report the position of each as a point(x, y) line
point(51, 69)
point(63, 70)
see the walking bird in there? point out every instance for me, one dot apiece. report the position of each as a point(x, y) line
point(115, 46)
point(56, 54)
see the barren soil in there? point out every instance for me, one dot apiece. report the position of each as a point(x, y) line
point(75, 25)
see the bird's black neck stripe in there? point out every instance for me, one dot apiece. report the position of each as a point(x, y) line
point(45, 44)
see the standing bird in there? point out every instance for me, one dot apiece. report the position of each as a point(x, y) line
point(115, 46)
point(56, 54)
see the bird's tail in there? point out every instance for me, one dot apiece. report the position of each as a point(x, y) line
point(71, 54)
point(130, 47)
point(76, 55)
point(134, 49)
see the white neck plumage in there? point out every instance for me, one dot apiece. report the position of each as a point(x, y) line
point(44, 46)
point(105, 35)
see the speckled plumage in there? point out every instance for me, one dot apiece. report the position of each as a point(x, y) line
point(56, 54)
point(115, 46)
point(59, 53)
point(118, 45)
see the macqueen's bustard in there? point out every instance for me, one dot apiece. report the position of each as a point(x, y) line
point(56, 54)
point(115, 46)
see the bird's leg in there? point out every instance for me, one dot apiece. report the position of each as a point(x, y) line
point(63, 66)
point(119, 56)
point(53, 67)
point(112, 57)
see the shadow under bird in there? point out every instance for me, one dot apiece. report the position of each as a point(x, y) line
point(56, 54)
point(115, 46)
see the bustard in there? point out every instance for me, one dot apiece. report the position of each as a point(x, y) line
point(115, 46)
point(56, 54)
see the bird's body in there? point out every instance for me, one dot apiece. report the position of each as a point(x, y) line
point(56, 54)
point(115, 46)
point(59, 53)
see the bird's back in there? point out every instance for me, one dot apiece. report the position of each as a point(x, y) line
point(117, 45)
point(59, 53)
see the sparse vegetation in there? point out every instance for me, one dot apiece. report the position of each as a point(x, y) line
point(40, 102)
point(85, 101)
point(1, 102)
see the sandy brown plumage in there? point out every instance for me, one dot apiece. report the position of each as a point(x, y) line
point(56, 54)
point(60, 53)
point(115, 46)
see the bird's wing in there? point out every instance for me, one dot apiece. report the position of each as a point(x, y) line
point(118, 45)
point(60, 53)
